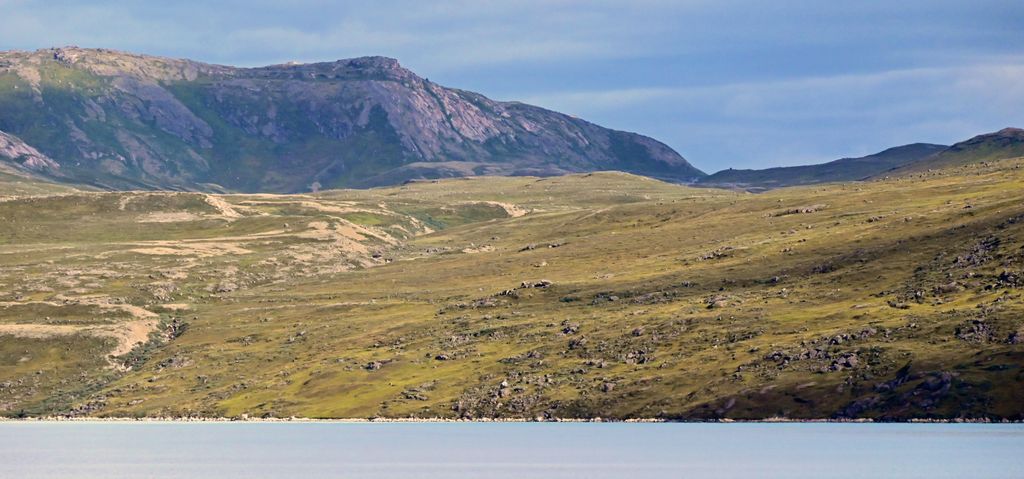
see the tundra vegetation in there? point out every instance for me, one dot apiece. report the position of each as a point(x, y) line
point(593, 295)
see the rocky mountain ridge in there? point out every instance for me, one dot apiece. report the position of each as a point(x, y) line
point(123, 120)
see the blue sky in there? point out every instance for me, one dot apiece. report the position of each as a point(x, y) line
point(743, 84)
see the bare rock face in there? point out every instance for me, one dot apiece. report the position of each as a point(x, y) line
point(123, 120)
point(14, 150)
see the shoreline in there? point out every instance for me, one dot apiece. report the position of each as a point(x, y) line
point(299, 420)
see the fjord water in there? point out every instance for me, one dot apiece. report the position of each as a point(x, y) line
point(507, 450)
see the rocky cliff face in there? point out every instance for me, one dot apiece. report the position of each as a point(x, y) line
point(128, 121)
point(17, 152)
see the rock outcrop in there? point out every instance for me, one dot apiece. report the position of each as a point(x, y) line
point(122, 120)
point(15, 151)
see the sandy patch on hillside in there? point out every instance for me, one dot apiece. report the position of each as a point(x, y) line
point(346, 234)
point(128, 334)
point(512, 210)
point(202, 250)
point(325, 208)
point(101, 302)
point(343, 207)
point(223, 207)
point(176, 306)
point(175, 217)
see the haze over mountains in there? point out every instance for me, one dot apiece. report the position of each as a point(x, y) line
point(121, 120)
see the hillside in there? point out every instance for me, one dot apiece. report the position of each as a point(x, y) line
point(601, 295)
point(846, 169)
point(1003, 144)
point(23, 168)
point(15, 182)
point(124, 121)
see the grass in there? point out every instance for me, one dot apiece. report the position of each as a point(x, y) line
point(664, 301)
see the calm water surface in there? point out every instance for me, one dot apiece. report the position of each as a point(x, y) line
point(508, 450)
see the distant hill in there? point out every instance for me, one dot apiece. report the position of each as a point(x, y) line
point(846, 169)
point(121, 120)
point(1003, 144)
point(583, 296)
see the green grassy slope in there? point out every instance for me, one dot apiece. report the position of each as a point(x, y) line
point(14, 182)
point(1003, 144)
point(603, 295)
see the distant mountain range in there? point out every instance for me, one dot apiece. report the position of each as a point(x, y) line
point(914, 158)
point(123, 121)
point(118, 120)
point(846, 169)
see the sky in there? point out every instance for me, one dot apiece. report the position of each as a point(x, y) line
point(741, 84)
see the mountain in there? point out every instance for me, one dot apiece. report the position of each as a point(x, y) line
point(846, 169)
point(16, 152)
point(24, 169)
point(1001, 145)
point(120, 120)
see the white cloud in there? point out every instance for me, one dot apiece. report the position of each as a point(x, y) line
point(811, 119)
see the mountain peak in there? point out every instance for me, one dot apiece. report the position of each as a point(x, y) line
point(73, 54)
point(1011, 131)
point(372, 62)
point(1006, 136)
point(127, 120)
point(368, 67)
